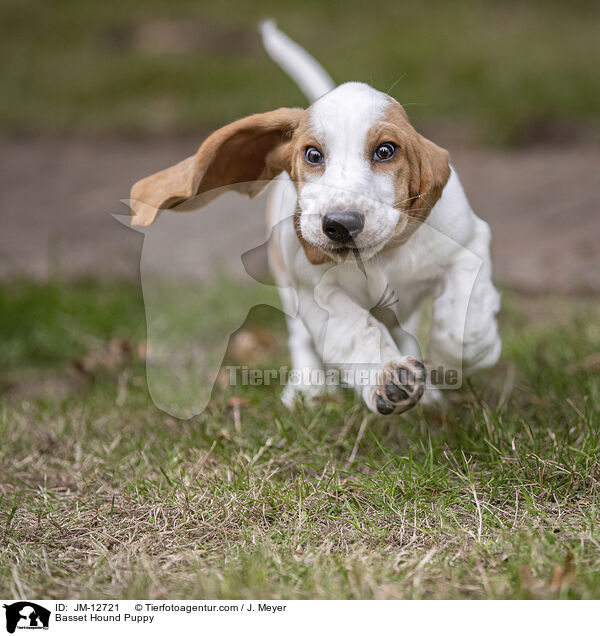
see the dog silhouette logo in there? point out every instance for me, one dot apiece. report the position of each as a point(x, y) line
point(26, 615)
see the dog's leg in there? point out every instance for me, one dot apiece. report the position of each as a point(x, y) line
point(464, 332)
point(405, 337)
point(306, 380)
point(348, 337)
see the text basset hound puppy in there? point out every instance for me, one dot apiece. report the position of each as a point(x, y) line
point(368, 220)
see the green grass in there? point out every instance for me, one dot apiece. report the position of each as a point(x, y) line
point(512, 71)
point(102, 495)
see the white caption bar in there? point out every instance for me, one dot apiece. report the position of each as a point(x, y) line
point(296, 617)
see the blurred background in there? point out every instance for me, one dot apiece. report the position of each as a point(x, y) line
point(97, 94)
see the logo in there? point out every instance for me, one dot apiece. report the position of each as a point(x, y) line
point(26, 615)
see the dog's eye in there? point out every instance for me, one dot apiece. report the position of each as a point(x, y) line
point(313, 156)
point(384, 152)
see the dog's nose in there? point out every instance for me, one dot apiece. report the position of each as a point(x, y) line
point(342, 227)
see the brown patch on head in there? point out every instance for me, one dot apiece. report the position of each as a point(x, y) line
point(420, 169)
point(303, 138)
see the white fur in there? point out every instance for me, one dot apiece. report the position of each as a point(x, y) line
point(312, 79)
point(446, 259)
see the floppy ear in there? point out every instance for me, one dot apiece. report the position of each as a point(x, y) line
point(430, 171)
point(241, 155)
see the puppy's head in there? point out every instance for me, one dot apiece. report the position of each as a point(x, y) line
point(364, 176)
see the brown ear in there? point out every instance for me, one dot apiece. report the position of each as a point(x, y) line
point(430, 171)
point(241, 155)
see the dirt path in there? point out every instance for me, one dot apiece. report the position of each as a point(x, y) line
point(56, 196)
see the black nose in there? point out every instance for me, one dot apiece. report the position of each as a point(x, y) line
point(343, 226)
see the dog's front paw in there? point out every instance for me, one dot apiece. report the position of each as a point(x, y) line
point(401, 387)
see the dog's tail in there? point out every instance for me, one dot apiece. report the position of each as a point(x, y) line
point(310, 76)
